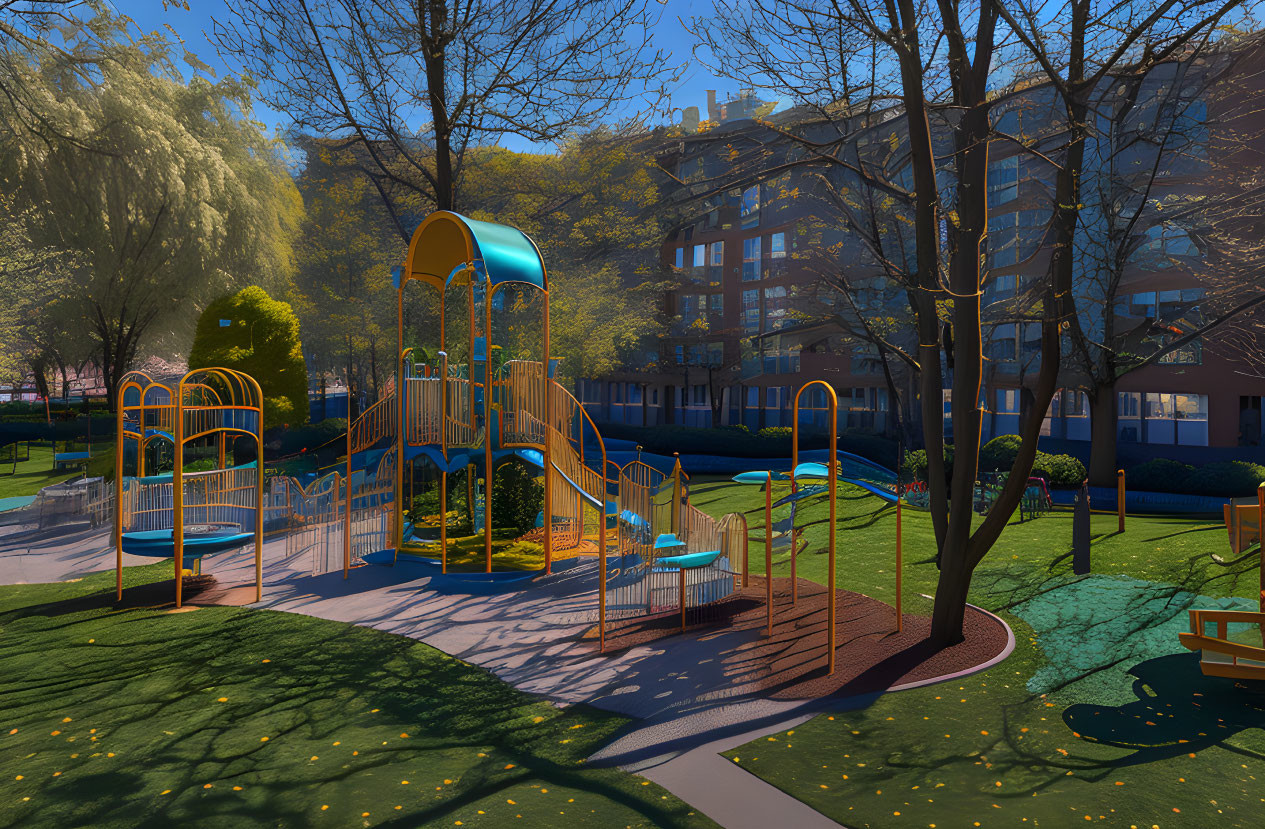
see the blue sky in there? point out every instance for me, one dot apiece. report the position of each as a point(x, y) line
point(194, 27)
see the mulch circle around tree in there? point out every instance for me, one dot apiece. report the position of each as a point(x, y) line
point(870, 655)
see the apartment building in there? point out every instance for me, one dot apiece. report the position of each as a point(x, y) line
point(750, 322)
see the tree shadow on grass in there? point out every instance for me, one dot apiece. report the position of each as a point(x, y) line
point(1178, 710)
point(191, 705)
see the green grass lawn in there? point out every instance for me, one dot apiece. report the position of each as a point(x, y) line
point(33, 475)
point(226, 716)
point(1099, 716)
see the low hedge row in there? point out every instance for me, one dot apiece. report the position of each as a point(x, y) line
point(1222, 479)
point(740, 442)
point(998, 455)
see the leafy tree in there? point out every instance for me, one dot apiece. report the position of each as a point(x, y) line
point(342, 289)
point(591, 210)
point(159, 193)
point(262, 340)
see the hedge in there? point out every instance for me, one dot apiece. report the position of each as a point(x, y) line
point(738, 442)
point(998, 455)
point(1221, 479)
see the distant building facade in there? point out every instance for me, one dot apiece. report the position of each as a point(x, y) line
point(755, 309)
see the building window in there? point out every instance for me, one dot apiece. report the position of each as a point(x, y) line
point(1190, 354)
point(1000, 287)
point(700, 394)
point(777, 256)
point(700, 255)
point(751, 207)
point(775, 307)
point(718, 253)
point(680, 355)
point(751, 259)
point(1003, 181)
point(716, 304)
point(680, 257)
point(715, 354)
point(1007, 401)
point(751, 311)
point(1001, 346)
point(1190, 406)
point(1075, 403)
point(1127, 404)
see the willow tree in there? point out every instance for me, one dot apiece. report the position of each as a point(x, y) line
point(161, 191)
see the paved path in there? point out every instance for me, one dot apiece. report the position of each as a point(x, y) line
point(686, 705)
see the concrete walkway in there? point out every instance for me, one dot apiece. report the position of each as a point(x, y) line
point(686, 703)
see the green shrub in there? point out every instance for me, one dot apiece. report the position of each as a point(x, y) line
point(1227, 479)
point(915, 466)
point(261, 340)
point(998, 455)
point(517, 497)
point(1160, 475)
point(783, 432)
point(1059, 470)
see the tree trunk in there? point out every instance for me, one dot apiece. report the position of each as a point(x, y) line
point(949, 609)
point(435, 17)
point(1102, 424)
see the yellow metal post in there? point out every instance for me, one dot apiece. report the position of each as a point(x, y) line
point(900, 619)
point(177, 492)
point(259, 493)
point(768, 553)
point(833, 477)
point(398, 529)
point(1260, 533)
point(118, 489)
point(547, 453)
point(1120, 498)
point(676, 493)
point(347, 516)
point(487, 426)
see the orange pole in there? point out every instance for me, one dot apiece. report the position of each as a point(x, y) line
point(1260, 534)
point(1120, 498)
point(177, 492)
point(347, 516)
point(259, 495)
point(443, 521)
point(833, 477)
point(900, 619)
point(834, 485)
point(400, 383)
point(487, 425)
point(118, 489)
point(768, 553)
point(443, 437)
point(548, 456)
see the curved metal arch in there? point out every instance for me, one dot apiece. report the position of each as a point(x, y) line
point(832, 466)
point(447, 244)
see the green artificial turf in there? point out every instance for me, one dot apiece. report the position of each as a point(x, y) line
point(222, 716)
point(33, 475)
point(1099, 716)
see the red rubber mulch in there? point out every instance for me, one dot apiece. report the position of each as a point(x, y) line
point(791, 664)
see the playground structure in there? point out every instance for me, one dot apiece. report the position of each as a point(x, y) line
point(1236, 646)
point(804, 482)
point(482, 394)
point(72, 456)
point(181, 514)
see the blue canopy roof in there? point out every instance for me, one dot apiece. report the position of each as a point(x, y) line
point(447, 243)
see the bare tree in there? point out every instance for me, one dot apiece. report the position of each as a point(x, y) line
point(945, 67)
point(1172, 192)
point(413, 85)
